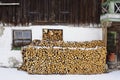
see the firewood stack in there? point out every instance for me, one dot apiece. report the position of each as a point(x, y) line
point(65, 60)
point(52, 34)
point(92, 44)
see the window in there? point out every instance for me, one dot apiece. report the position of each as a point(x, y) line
point(53, 34)
point(21, 38)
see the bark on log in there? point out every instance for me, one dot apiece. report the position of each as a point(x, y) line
point(65, 60)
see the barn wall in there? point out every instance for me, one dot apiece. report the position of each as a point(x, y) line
point(69, 34)
point(51, 12)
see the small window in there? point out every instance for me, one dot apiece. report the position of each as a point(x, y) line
point(21, 38)
point(53, 34)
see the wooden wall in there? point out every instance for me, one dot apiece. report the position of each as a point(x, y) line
point(51, 12)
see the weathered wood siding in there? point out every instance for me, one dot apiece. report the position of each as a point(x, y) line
point(51, 12)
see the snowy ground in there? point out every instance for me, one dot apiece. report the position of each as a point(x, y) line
point(14, 74)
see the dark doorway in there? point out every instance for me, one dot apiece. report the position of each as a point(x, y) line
point(113, 43)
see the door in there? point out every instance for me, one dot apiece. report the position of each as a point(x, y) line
point(113, 44)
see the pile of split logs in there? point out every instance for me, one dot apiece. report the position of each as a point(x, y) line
point(64, 60)
point(53, 34)
point(71, 44)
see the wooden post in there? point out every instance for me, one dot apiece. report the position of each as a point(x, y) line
point(105, 25)
point(104, 35)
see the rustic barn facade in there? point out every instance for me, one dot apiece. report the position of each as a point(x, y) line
point(70, 25)
point(50, 11)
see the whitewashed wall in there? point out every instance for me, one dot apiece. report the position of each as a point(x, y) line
point(69, 34)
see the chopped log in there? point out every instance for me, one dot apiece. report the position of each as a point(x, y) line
point(65, 60)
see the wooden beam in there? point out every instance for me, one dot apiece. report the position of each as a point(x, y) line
point(9, 4)
point(104, 35)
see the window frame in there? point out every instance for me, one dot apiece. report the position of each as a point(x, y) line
point(22, 39)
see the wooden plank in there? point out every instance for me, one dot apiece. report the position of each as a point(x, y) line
point(104, 34)
point(9, 4)
point(49, 11)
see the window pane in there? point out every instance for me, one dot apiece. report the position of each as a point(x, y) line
point(26, 42)
point(26, 34)
point(17, 34)
point(22, 38)
point(18, 43)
